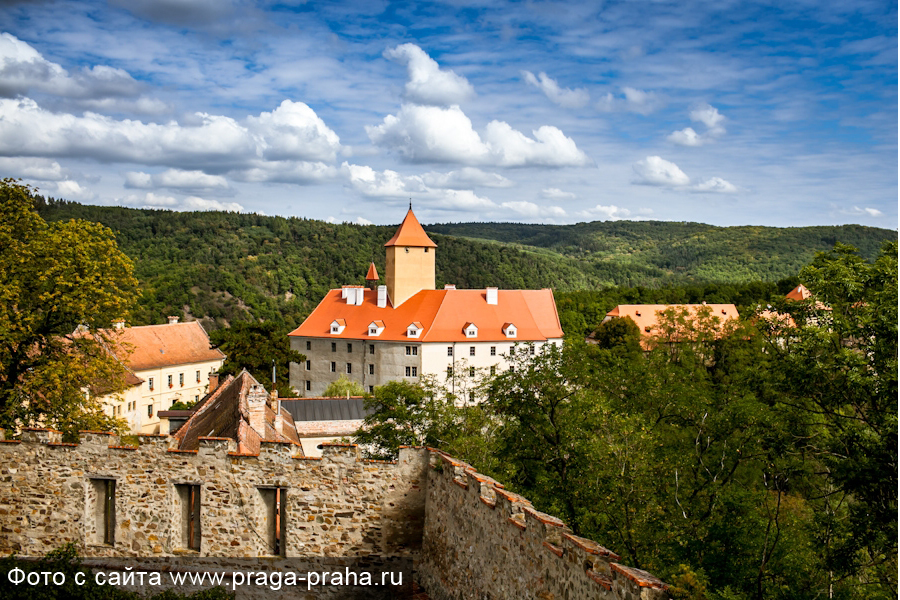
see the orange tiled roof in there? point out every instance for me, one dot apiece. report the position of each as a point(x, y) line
point(442, 314)
point(798, 294)
point(646, 315)
point(410, 233)
point(155, 346)
point(372, 275)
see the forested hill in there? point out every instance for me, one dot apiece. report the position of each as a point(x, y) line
point(649, 252)
point(228, 266)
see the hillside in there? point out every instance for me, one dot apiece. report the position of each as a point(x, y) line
point(226, 267)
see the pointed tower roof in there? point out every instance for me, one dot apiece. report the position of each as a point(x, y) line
point(411, 233)
point(372, 275)
point(799, 293)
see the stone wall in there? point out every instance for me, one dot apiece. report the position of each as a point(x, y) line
point(465, 534)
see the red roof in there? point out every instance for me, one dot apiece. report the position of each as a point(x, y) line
point(157, 346)
point(410, 233)
point(372, 275)
point(798, 294)
point(442, 314)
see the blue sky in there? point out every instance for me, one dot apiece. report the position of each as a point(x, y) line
point(722, 112)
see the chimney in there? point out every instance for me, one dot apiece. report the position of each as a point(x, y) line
point(163, 424)
point(449, 286)
point(275, 403)
point(382, 296)
point(256, 404)
point(491, 295)
point(120, 324)
point(172, 320)
point(213, 382)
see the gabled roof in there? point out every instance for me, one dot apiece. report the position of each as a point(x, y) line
point(646, 315)
point(225, 413)
point(411, 233)
point(156, 346)
point(442, 314)
point(372, 275)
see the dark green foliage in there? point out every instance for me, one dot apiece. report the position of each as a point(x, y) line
point(65, 560)
point(258, 347)
point(623, 334)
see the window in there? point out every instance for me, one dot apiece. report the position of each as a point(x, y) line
point(371, 389)
point(426, 250)
point(414, 371)
point(412, 350)
point(371, 348)
point(198, 376)
point(512, 350)
point(334, 367)
point(512, 368)
point(334, 346)
point(371, 369)
point(197, 398)
point(531, 349)
point(150, 383)
point(449, 350)
point(308, 385)
point(493, 370)
point(349, 368)
point(274, 501)
point(409, 371)
point(493, 350)
point(309, 345)
point(471, 350)
point(150, 410)
point(309, 365)
point(188, 499)
point(349, 347)
point(471, 371)
point(170, 381)
point(181, 379)
point(104, 499)
point(472, 397)
point(449, 371)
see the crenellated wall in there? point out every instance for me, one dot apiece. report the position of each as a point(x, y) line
point(467, 535)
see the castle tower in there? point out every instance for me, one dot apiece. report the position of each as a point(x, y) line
point(409, 266)
point(372, 277)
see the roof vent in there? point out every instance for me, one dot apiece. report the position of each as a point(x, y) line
point(382, 296)
point(491, 295)
point(449, 286)
point(173, 320)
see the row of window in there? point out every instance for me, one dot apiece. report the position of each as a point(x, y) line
point(410, 351)
point(309, 386)
point(170, 380)
point(472, 371)
point(188, 506)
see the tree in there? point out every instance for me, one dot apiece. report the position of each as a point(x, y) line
point(62, 285)
point(258, 347)
point(343, 387)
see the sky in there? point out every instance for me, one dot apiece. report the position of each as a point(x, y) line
point(723, 112)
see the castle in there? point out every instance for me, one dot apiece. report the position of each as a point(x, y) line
point(407, 329)
point(458, 533)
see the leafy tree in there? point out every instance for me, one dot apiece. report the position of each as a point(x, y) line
point(620, 333)
point(258, 347)
point(343, 387)
point(55, 279)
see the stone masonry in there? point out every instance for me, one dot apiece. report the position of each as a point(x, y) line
point(467, 537)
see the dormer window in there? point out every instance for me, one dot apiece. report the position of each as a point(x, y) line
point(414, 330)
point(509, 330)
point(337, 326)
point(470, 330)
point(376, 327)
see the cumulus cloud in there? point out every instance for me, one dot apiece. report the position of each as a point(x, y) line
point(362, 221)
point(190, 203)
point(175, 179)
point(291, 131)
point(391, 184)
point(41, 169)
point(632, 100)
point(530, 209)
point(430, 133)
point(466, 177)
point(428, 84)
point(654, 170)
point(708, 116)
point(610, 213)
point(23, 70)
point(657, 171)
point(556, 194)
point(72, 190)
point(567, 98)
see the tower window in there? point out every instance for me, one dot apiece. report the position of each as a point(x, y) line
point(334, 346)
point(309, 345)
point(371, 369)
point(371, 348)
point(349, 347)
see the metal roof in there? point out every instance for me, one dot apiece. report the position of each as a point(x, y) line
point(325, 409)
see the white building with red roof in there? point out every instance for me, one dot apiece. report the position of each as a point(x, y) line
point(407, 329)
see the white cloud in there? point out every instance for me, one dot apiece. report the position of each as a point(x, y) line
point(72, 190)
point(863, 212)
point(41, 169)
point(176, 179)
point(466, 177)
point(715, 185)
point(609, 213)
point(429, 133)
point(190, 203)
point(215, 142)
point(428, 84)
point(632, 100)
point(567, 98)
point(710, 117)
point(686, 137)
point(362, 221)
point(556, 194)
point(530, 209)
point(654, 170)
point(23, 70)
